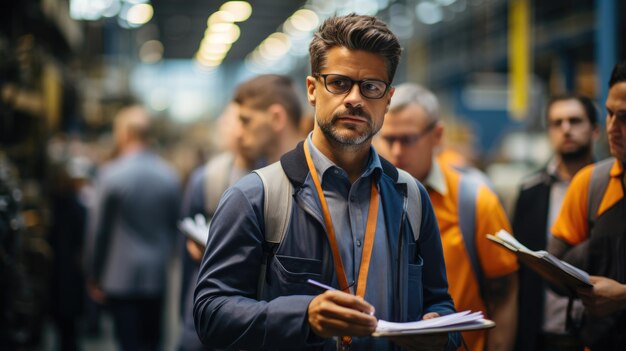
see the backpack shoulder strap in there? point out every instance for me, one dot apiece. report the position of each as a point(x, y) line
point(414, 205)
point(468, 193)
point(216, 181)
point(277, 190)
point(476, 174)
point(600, 176)
point(277, 202)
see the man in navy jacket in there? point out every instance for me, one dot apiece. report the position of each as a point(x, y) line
point(347, 227)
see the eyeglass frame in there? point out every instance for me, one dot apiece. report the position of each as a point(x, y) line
point(353, 81)
point(409, 140)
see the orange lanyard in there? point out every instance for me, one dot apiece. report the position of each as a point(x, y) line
point(370, 231)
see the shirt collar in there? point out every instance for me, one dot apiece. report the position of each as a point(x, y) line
point(436, 179)
point(552, 167)
point(323, 164)
point(617, 170)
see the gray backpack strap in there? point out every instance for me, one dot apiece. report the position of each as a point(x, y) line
point(468, 193)
point(600, 176)
point(476, 174)
point(414, 206)
point(278, 199)
point(216, 181)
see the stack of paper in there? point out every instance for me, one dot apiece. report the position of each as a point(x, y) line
point(197, 230)
point(460, 321)
point(564, 277)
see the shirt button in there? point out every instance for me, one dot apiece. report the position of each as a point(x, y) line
point(358, 243)
point(353, 198)
point(336, 171)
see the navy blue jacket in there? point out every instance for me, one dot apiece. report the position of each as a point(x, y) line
point(226, 310)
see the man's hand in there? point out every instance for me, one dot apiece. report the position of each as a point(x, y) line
point(195, 250)
point(429, 342)
point(335, 313)
point(606, 297)
point(95, 292)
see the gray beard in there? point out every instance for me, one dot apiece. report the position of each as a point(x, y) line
point(349, 142)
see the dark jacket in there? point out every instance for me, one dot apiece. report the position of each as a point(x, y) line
point(529, 227)
point(226, 310)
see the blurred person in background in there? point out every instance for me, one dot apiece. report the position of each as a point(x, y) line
point(264, 122)
point(590, 230)
point(137, 201)
point(70, 175)
point(409, 138)
point(572, 126)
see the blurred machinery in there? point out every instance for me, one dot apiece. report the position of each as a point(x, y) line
point(24, 263)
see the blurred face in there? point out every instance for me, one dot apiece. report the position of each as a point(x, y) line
point(569, 130)
point(348, 119)
point(257, 134)
point(408, 139)
point(616, 120)
point(126, 121)
point(119, 133)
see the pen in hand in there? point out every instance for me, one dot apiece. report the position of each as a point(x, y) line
point(320, 285)
point(327, 287)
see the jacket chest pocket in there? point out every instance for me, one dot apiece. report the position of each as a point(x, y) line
point(415, 294)
point(288, 275)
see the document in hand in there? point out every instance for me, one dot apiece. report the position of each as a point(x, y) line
point(196, 230)
point(461, 321)
point(563, 277)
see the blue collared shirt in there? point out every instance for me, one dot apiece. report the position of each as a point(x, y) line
point(349, 205)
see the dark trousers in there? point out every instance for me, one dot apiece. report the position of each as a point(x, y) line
point(137, 322)
point(68, 336)
point(559, 342)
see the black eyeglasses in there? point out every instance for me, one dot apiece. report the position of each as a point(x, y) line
point(409, 139)
point(369, 88)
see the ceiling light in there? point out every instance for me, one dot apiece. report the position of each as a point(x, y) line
point(221, 38)
point(239, 10)
point(209, 63)
point(275, 46)
point(304, 20)
point(429, 13)
point(113, 9)
point(211, 56)
point(151, 51)
point(223, 28)
point(214, 47)
point(139, 14)
point(220, 17)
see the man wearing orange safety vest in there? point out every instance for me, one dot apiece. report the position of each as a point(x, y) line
point(482, 276)
point(590, 231)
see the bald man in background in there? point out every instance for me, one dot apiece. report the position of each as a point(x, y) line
point(131, 233)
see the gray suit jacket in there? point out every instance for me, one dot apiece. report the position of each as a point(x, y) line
point(133, 225)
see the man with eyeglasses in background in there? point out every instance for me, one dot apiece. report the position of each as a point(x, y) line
point(482, 277)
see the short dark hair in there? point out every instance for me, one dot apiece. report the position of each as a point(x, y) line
point(590, 108)
point(355, 32)
point(618, 75)
point(265, 90)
